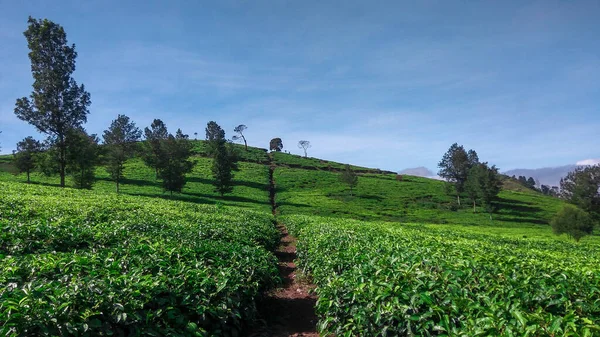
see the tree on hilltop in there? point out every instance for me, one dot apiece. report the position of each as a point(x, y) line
point(214, 135)
point(276, 145)
point(240, 134)
point(455, 166)
point(304, 144)
point(57, 104)
point(120, 139)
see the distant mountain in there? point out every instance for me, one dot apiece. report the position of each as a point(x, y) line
point(547, 175)
point(418, 171)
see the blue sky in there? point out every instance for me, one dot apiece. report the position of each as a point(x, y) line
point(385, 84)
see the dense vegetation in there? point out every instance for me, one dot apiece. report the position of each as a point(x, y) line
point(87, 263)
point(383, 279)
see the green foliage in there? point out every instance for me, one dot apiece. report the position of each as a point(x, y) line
point(572, 221)
point(214, 135)
point(224, 163)
point(582, 188)
point(174, 161)
point(82, 157)
point(276, 145)
point(57, 104)
point(151, 151)
point(455, 165)
point(349, 178)
point(415, 199)
point(483, 185)
point(383, 279)
point(120, 138)
point(84, 263)
point(25, 158)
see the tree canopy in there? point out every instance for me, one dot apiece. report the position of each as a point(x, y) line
point(455, 166)
point(572, 221)
point(349, 177)
point(120, 139)
point(581, 187)
point(57, 103)
point(174, 161)
point(25, 157)
point(276, 144)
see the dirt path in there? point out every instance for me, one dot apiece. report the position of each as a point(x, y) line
point(289, 310)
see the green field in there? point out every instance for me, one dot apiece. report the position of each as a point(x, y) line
point(395, 258)
point(89, 263)
point(385, 279)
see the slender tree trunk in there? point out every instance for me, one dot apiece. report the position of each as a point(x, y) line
point(473, 206)
point(458, 198)
point(28, 177)
point(245, 144)
point(117, 185)
point(305, 155)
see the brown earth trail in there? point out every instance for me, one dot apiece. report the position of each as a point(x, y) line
point(287, 311)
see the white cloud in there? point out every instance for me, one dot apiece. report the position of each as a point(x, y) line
point(588, 162)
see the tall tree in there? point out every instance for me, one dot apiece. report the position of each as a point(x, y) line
point(304, 144)
point(25, 157)
point(120, 139)
point(455, 165)
point(483, 184)
point(174, 162)
point(582, 188)
point(349, 178)
point(155, 135)
point(214, 131)
point(82, 157)
point(224, 163)
point(240, 134)
point(57, 104)
point(276, 144)
point(214, 135)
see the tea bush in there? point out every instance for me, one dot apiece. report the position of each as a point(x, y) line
point(382, 279)
point(90, 264)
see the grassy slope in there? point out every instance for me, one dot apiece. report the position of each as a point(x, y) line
point(251, 184)
point(311, 186)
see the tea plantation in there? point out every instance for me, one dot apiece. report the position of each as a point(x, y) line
point(88, 263)
point(384, 279)
point(397, 258)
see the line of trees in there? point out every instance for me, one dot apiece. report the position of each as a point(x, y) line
point(58, 107)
